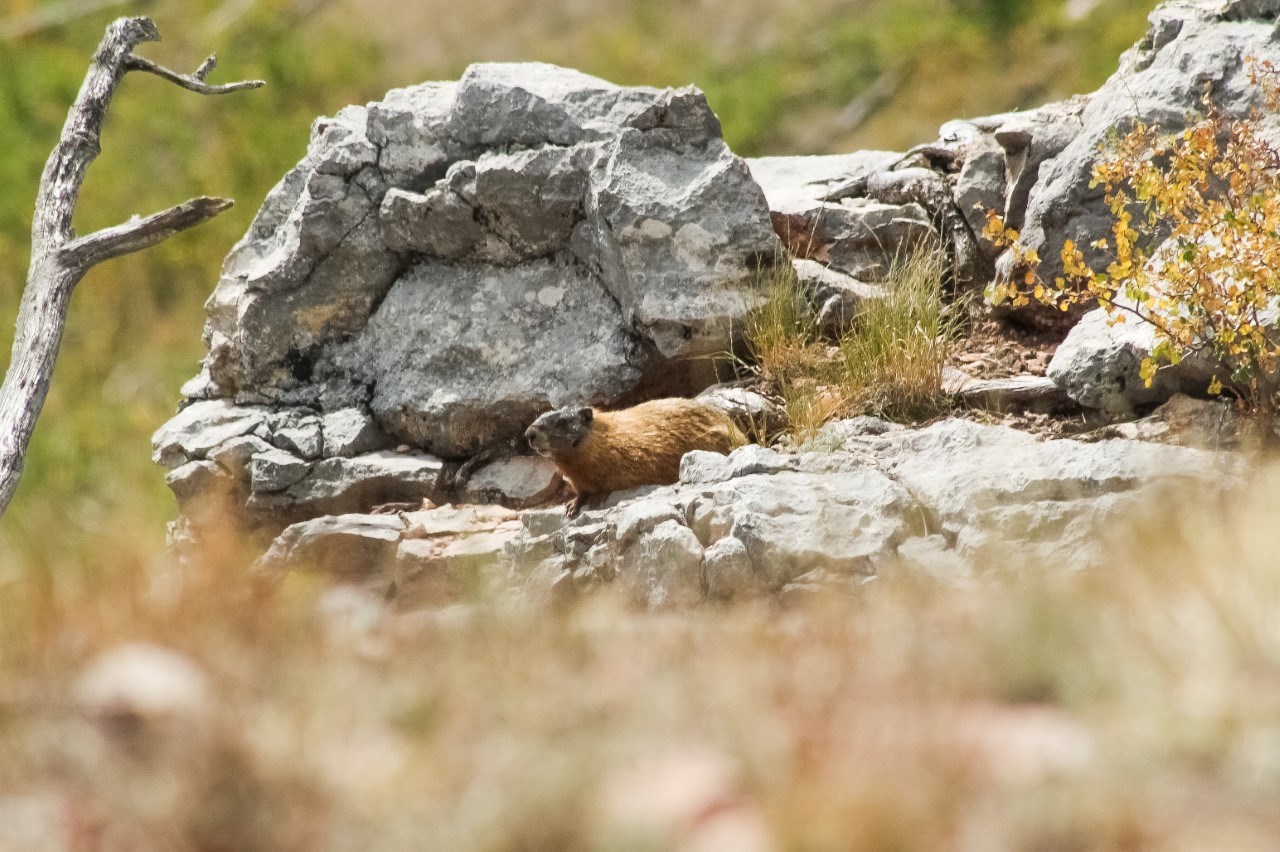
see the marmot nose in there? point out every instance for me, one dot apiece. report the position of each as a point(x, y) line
point(529, 435)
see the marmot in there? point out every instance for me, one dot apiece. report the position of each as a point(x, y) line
point(602, 451)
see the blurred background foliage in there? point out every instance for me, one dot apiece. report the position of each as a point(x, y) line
point(785, 76)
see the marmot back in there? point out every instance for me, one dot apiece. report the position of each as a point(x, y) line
point(602, 451)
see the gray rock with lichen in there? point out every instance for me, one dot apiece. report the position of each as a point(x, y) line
point(445, 264)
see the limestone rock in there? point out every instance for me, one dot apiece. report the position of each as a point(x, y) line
point(276, 470)
point(351, 432)
point(858, 236)
point(516, 481)
point(430, 572)
point(981, 186)
point(1099, 365)
point(199, 428)
point(1005, 497)
point(800, 185)
point(840, 298)
point(200, 484)
point(757, 417)
point(1038, 394)
point(436, 254)
point(466, 357)
point(235, 455)
point(727, 568)
point(950, 500)
point(1203, 423)
point(358, 484)
point(675, 226)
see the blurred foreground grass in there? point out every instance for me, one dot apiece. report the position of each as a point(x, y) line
point(1136, 708)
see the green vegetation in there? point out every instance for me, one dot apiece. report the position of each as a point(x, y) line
point(888, 364)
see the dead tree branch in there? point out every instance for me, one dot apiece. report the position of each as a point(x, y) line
point(193, 82)
point(59, 260)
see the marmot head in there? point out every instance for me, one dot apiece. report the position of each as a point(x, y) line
point(559, 431)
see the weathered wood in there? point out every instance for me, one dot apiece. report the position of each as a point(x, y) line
point(59, 260)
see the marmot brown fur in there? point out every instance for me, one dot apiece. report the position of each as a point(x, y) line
point(602, 451)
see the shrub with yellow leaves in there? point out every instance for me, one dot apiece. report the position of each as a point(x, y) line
point(1201, 263)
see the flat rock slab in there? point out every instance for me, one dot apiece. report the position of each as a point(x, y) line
point(431, 557)
point(1037, 394)
point(951, 499)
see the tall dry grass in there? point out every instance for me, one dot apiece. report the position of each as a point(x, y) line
point(889, 363)
point(1130, 708)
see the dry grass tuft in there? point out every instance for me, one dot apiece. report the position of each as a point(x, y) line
point(889, 364)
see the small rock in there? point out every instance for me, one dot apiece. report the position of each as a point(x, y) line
point(203, 483)
point(1039, 394)
point(728, 571)
point(276, 470)
point(234, 455)
point(299, 435)
point(352, 547)
point(351, 432)
point(516, 481)
point(757, 418)
point(841, 297)
point(199, 428)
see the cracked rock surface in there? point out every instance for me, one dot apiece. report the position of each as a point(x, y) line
point(864, 498)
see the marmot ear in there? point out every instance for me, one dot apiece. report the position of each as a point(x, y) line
point(586, 415)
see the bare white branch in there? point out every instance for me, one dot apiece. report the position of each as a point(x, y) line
point(194, 82)
point(59, 260)
point(140, 233)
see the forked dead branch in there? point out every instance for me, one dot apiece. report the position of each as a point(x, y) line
point(59, 259)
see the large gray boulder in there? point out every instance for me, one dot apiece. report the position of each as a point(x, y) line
point(459, 257)
point(449, 262)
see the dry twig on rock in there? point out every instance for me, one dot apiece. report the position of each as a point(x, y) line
point(59, 259)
